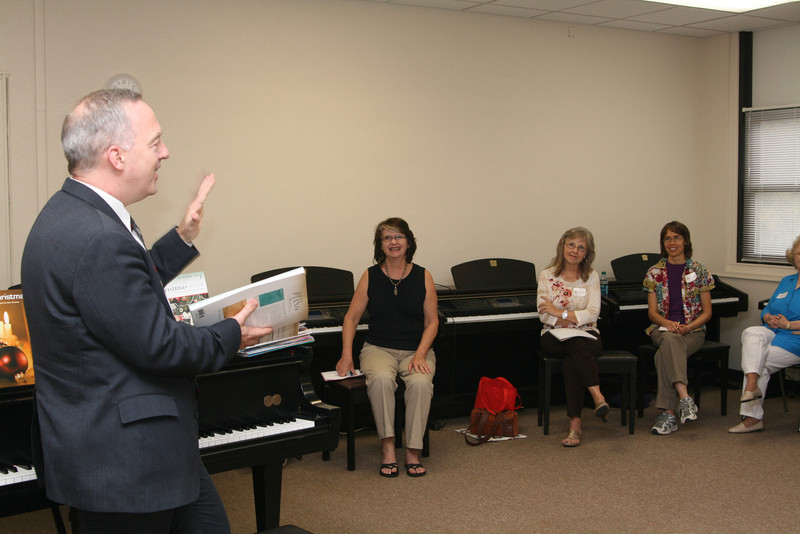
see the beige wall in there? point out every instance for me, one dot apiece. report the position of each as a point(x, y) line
point(490, 135)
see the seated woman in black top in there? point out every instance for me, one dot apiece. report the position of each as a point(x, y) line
point(403, 320)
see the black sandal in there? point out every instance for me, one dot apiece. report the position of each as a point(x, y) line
point(601, 411)
point(409, 467)
point(393, 471)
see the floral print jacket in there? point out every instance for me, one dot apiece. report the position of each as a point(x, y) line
point(694, 281)
point(580, 297)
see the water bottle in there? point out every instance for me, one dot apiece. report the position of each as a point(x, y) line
point(603, 284)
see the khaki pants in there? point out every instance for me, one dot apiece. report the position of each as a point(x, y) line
point(381, 367)
point(673, 351)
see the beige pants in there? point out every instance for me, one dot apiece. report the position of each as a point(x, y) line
point(381, 367)
point(673, 351)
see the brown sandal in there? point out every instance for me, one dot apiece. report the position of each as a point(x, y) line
point(573, 439)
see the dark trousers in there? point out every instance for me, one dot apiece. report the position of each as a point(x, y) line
point(206, 515)
point(580, 366)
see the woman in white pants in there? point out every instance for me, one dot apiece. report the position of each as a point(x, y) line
point(770, 347)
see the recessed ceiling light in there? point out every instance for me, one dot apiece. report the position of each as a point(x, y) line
point(734, 6)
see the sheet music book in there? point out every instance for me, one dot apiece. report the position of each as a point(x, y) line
point(271, 346)
point(282, 304)
point(333, 375)
point(182, 291)
point(16, 358)
point(567, 333)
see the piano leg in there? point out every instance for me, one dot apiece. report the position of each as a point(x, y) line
point(58, 520)
point(267, 480)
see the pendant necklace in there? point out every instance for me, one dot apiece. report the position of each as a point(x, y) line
point(395, 284)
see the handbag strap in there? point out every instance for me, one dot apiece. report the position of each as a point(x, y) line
point(498, 421)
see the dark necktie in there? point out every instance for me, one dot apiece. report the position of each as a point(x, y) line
point(135, 229)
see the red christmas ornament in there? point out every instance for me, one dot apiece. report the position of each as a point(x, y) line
point(12, 362)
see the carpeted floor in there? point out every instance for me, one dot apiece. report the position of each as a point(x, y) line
point(700, 479)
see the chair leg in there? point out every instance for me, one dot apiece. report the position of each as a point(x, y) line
point(632, 398)
point(351, 432)
point(624, 396)
point(547, 393)
point(782, 381)
point(540, 406)
point(723, 387)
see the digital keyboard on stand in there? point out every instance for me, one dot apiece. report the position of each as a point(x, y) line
point(484, 333)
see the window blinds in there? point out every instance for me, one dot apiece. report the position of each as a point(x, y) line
point(770, 187)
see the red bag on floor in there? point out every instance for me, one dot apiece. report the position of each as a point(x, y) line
point(497, 395)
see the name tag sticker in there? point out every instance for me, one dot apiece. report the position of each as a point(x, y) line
point(579, 291)
point(782, 295)
point(691, 277)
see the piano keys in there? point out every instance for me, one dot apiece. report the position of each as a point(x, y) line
point(464, 307)
point(16, 474)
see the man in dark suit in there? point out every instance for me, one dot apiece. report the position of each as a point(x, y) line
point(115, 389)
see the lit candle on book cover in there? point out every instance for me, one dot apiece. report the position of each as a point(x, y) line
point(7, 332)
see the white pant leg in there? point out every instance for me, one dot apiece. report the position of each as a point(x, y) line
point(759, 357)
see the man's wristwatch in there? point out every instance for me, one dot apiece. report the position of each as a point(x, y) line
point(564, 315)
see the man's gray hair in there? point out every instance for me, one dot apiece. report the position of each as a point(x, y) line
point(97, 122)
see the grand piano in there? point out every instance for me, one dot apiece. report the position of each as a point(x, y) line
point(255, 412)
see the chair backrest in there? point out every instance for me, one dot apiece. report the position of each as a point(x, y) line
point(323, 284)
point(634, 266)
point(494, 274)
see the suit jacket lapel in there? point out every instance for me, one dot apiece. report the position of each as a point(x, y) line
point(77, 189)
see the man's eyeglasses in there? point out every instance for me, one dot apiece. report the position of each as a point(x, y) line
point(573, 246)
point(390, 238)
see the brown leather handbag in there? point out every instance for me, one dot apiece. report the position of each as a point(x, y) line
point(486, 424)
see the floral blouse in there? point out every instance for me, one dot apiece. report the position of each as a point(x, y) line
point(580, 297)
point(694, 281)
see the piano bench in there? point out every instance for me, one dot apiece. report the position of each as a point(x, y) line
point(610, 362)
point(352, 392)
point(711, 351)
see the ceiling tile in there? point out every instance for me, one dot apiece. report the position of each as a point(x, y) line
point(633, 25)
point(494, 9)
point(572, 18)
point(617, 9)
point(680, 16)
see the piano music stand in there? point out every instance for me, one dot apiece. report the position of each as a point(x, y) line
point(494, 274)
point(323, 284)
point(634, 266)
